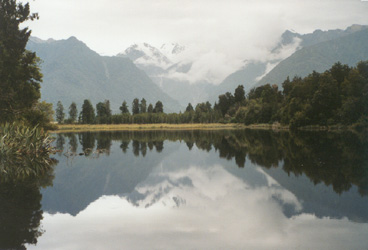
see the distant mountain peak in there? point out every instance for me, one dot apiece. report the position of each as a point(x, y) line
point(356, 27)
point(317, 36)
point(172, 48)
point(146, 54)
point(72, 38)
point(39, 40)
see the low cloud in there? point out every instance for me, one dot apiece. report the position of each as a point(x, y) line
point(223, 33)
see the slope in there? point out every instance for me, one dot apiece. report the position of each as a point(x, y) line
point(73, 72)
point(349, 49)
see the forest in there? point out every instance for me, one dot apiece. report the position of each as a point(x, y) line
point(338, 96)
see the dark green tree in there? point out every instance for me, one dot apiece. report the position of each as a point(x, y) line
point(88, 113)
point(20, 75)
point(135, 106)
point(143, 106)
point(124, 108)
point(239, 95)
point(73, 112)
point(159, 107)
point(189, 108)
point(103, 112)
point(60, 115)
point(225, 102)
point(150, 108)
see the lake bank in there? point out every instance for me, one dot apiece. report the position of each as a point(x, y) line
point(64, 128)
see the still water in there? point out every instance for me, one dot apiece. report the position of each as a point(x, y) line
point(194, 190)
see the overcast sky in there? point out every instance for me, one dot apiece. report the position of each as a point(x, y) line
point(109, 26)
point(221, 33)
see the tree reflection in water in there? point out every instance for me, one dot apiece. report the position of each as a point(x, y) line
point(20, 208)
point(337, 159)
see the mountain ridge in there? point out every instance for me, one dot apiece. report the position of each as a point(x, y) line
point(74, 72)
point(348, 49)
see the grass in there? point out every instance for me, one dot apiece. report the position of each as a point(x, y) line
point(24, 151)
point(64, 128)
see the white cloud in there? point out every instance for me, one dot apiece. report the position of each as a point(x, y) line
point(232, 26)
point(217, 211)
point(226, 32)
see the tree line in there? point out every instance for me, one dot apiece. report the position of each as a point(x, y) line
point(336, 96)
point(139, 113)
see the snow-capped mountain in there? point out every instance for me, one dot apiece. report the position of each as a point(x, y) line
point(193, 74)
point(172, 49)
point(169, 67)
point(145, 54)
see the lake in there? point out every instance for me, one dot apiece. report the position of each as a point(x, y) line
point(241, 189)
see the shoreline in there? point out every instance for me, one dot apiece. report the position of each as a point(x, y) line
point(69, 128)
point(65, 128)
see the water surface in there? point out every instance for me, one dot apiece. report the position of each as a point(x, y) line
point(199, 190)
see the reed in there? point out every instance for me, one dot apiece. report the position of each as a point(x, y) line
point(24, 151)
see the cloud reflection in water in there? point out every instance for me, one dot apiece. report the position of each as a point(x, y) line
point(199, 208)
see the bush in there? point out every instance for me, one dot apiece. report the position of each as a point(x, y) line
point(24, 151)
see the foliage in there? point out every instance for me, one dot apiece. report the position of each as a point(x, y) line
point(20, 75)
point(143, 106)
point(60, 115)
point(135, 106)
point(124, 108)
point(239, 94)
point(24, 151)
point(337, 96)
point(73, 112)
point(150, 108)
point(103, 112)
point(159, 107)
point(87, 115)
point(42, 114)
point(189, 108)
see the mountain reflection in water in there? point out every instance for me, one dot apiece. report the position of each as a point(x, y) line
point(208, 190)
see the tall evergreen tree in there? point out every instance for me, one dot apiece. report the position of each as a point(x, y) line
point(20, 75)
point(189, 108)
point(60, 112)
point(135, 106)
point(150, 108)
point(88, 113)
point(124, 108)
point(143, 106)
point(73, 112)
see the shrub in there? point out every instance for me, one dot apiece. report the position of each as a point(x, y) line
point(24, 151)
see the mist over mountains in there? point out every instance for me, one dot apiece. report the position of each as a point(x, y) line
point(175, 75)
point(348, 47)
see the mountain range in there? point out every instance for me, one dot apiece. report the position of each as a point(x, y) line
point(346, 47)
point(73, 72)
point(168, 69)
point(308, 54)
